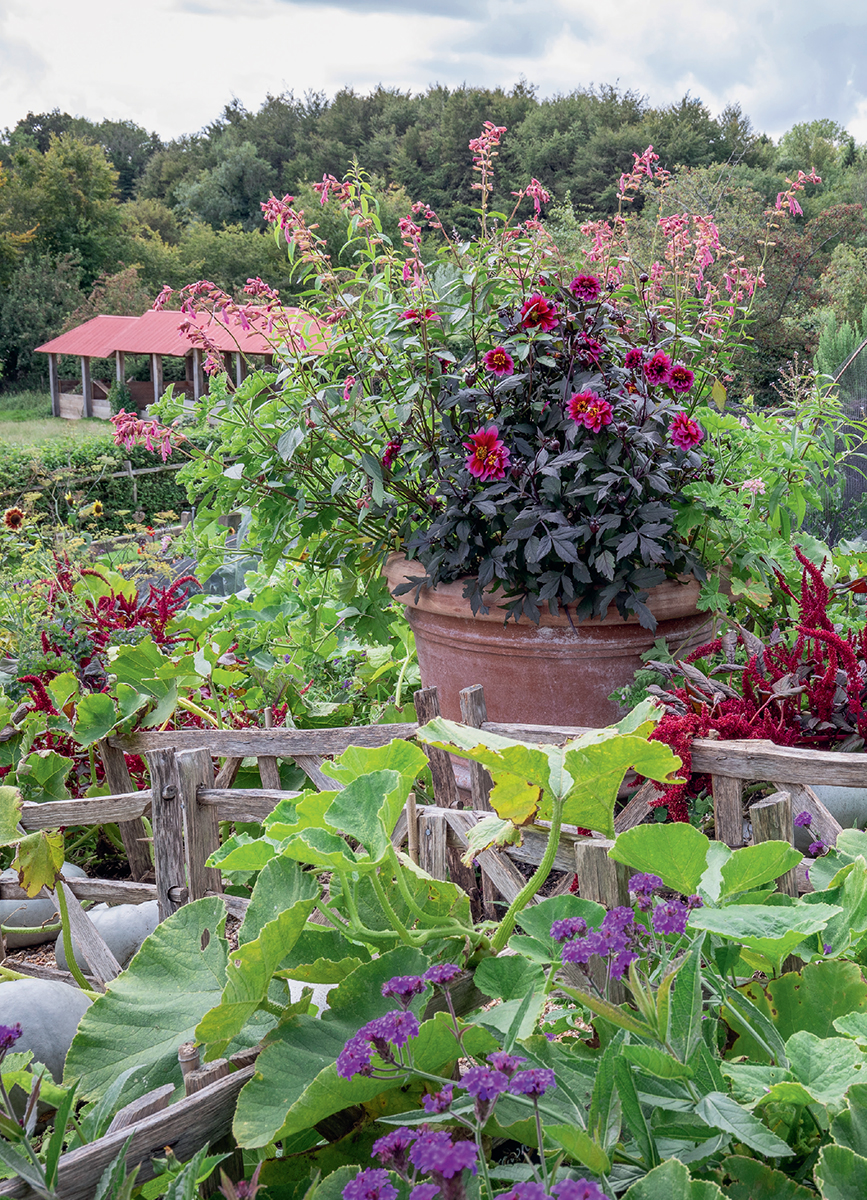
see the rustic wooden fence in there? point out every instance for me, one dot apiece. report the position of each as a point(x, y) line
point(186, 801)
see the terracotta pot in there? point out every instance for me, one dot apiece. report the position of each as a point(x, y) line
point(553, 673)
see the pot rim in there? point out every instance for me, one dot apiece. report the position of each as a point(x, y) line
point(671, 600)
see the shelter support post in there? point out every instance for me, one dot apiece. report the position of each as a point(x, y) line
point(157, 375)
point(240, 369)
point(119, 366)
point(86, 386)
point(54, 385)
point(198, 375)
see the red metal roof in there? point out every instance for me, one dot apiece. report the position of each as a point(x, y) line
point(96, 338)
point(158, 332)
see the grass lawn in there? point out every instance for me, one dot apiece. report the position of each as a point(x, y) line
point(26, 420)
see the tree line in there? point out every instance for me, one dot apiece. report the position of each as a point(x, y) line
point(96, 217)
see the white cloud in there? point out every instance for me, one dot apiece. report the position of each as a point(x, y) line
point(171, 65)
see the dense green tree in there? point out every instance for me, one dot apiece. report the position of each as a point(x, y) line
point(40, 294)
point(231, 192)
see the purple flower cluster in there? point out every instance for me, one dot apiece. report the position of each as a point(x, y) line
point(411, 1153)
point(532, 1083)
point(404, 988)
point(438, 1102)
point(566, 1189)
point(371, 1184)
point(803, 819)
point(379, 1035)
point(817, 849)
point(642, 886)
point(569, 927)
point(484, 1083)
point(616, 940)
point(670, 917)
point(9, 1035)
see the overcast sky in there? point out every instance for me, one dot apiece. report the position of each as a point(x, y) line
point(171, 65)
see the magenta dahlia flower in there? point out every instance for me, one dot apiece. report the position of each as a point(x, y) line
point(539, 313)
point(499, 362)
point(586, 288)
point(657, 369)
point(680, 378)
point(685, 433)
point(633, 359)
point(489, 457)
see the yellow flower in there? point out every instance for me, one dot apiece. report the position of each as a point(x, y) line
point(68, 498)
point(13, 518)
point(97, 508)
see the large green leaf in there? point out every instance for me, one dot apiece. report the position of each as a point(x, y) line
point(773, 932)
point(599, 768)
point(685, 1008)
point(38, 860)
point(322, 955)
point(400, 755)
point(579, 1147)
point(671, 1181)
point(677, 853)
point(633, 1113)
point(749, 1179)
point(509, 977)
point(812, 999)
point(827, 1067)
point(849, 891)
point(721, 1112)
point(841, 1173)
point(42, 776)
point(536, 942)
point(10, 815)
point(94, 718)
point(283, 898)
point(154, 1005)
point(751, 866)
point(367, 810)
point(849, 1128)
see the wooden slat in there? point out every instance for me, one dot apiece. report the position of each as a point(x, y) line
point(269, 772)
point(109, 890)
point(243, 804)
point(503, 873)
point(310, 764)
point(728, 810)
point(283, 743)
point(760, 760)
point(168, 825)
point(638, 807)
point(96, 811)
point(805, 799)
point(103, 965)
point(184, 1127)
point(228, 772)
point(37, 971)
point(602, 879)
point(772, 822)
point(152, 1102)
point(132, 830)
point(201, 823)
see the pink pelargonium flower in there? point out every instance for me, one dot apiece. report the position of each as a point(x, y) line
point(586, 288)
point(685, 433)
point(539, 313)
point(499, 362)
point(657, 369)
point(756, 486)
point(489, 456)
point(680, 378)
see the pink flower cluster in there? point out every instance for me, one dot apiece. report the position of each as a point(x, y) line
point(685, 433)
point(130, 430)
point(590, 410)
point(539, 313)
point(786, 201)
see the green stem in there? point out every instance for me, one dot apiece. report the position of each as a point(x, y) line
point(542, 1162)
point(403, 888)
point(72, 965)
point(30, 931)
point(396, 922)
point(268, 1006)
point(531, 887)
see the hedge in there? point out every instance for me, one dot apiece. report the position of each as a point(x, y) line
point(39, 478)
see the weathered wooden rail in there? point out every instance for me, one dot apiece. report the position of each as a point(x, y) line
point(187, 800)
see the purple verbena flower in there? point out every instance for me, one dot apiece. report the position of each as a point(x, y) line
point(670, 917)
point(529, 1190)
point(816, 849)
point(404, 988)
point(567, 928)
point(391, 1149)
point(803, 819)
point(442, 973)
point(826, 948)
point(507, 1063)
point(484, 1084)
point(578, 1189)
point(434, 1153)
point(438, 1102)
point(618, 920)
point(396, 1027)
point(371, 1184)
point(533, 1083)
point(424, 1191)
point(578, 952)
point(644, 884)
point(694, 902)
point(354, 1058)
point(620, 963)
point(9, 1035)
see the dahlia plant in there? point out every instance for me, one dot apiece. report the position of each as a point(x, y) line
point(497, 413)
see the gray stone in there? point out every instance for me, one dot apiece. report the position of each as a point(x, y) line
point(30, 914)
point(48, 1012)
point(123, 928)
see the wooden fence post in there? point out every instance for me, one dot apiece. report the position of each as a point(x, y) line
point(269, 772)
point(772, 822)
point(602, 879)
point(728, 810)
point(201, 823)
point(474, 712)
point(168, 825)
point(133, 832)
point(432, 842)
